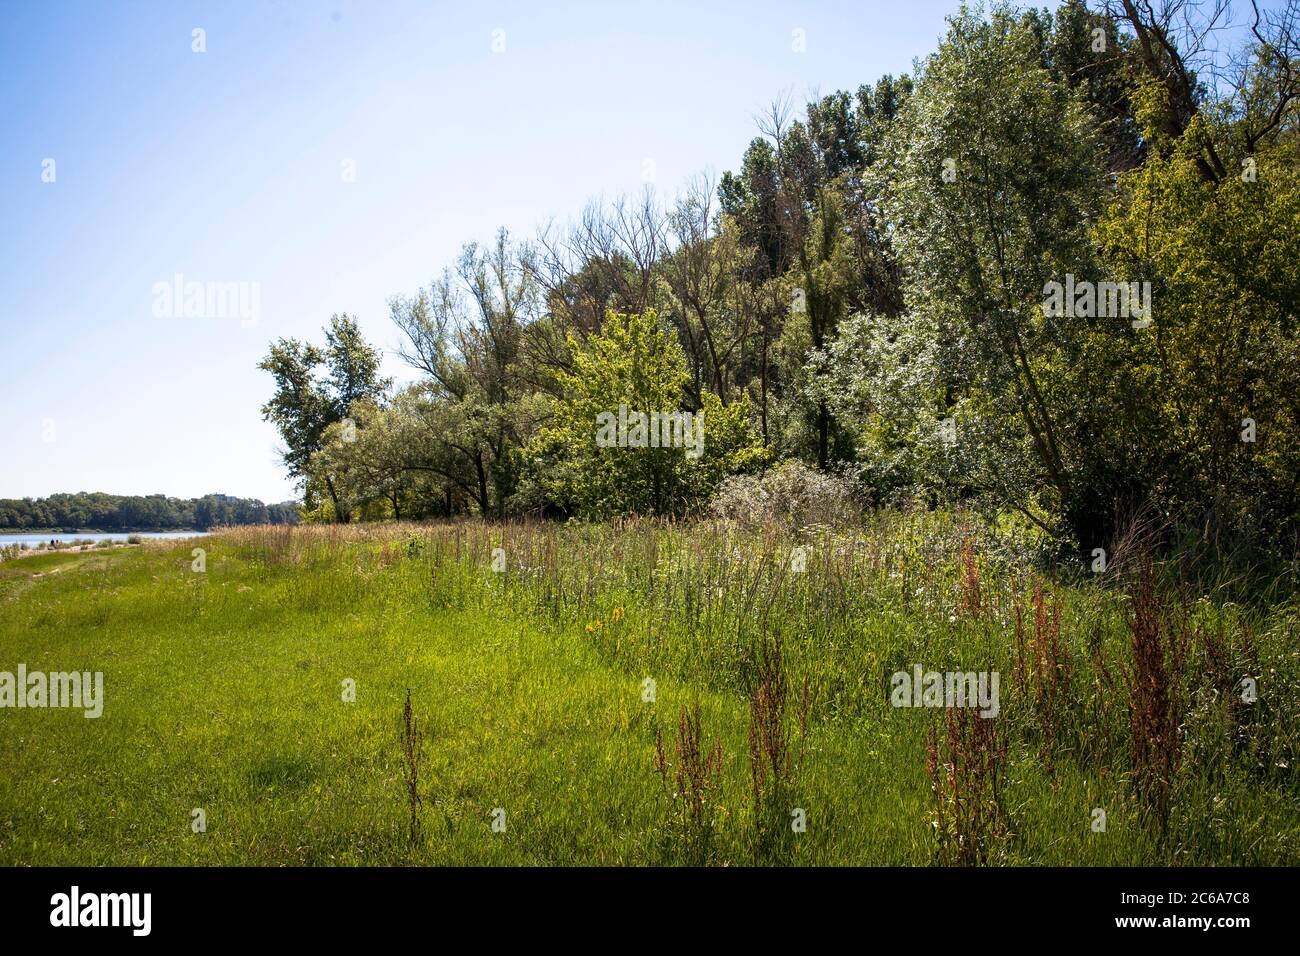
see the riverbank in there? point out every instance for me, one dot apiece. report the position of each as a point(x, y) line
point(28, 543)
point(96, 532)
point(13, 552)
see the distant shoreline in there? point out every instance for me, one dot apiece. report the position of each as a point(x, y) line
point(89, 531)
point(24, 544)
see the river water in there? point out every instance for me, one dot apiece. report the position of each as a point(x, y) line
point(31, 540)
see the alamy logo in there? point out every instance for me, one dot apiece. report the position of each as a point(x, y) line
point(1084, 299)
point(56, 689)
point(923, 688)
point(103, 909)
point(655, 430)
point(180, 299)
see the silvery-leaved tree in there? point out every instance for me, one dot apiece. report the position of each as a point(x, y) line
point(989, 177)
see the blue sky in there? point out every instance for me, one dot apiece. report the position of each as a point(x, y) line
point(227, 166)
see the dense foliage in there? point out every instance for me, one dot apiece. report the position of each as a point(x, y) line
point(1052, 275)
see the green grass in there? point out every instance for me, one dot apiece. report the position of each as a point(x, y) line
point(224, 692)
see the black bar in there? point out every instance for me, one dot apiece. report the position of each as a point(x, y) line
point(944, 906)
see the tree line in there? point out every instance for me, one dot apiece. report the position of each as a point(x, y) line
point(876, 290)
point(104, 512)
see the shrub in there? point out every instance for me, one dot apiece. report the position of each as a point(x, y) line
point(791, 494)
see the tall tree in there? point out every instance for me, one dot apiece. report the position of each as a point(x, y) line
point(466, 333)
point(315, 387)
point(993, 172)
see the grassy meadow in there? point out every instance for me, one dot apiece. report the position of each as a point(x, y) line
point(642, 693)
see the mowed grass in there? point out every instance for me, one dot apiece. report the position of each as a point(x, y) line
point(225, 692)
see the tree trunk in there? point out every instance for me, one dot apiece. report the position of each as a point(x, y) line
point(481, 471)
point(341, 517)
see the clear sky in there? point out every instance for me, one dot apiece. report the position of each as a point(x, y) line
point(229, 166)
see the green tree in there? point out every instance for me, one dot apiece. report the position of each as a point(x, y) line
point(466, 334)
point(635, 363)
point(1223, 352)
point(991, 174)
point(315, 387)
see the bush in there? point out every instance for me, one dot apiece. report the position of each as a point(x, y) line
point(791, 494)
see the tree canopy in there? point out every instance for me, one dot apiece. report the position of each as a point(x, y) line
point(1051, 274)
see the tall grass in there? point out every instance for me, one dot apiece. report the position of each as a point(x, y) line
point(714, 605)
point(1125, 689)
